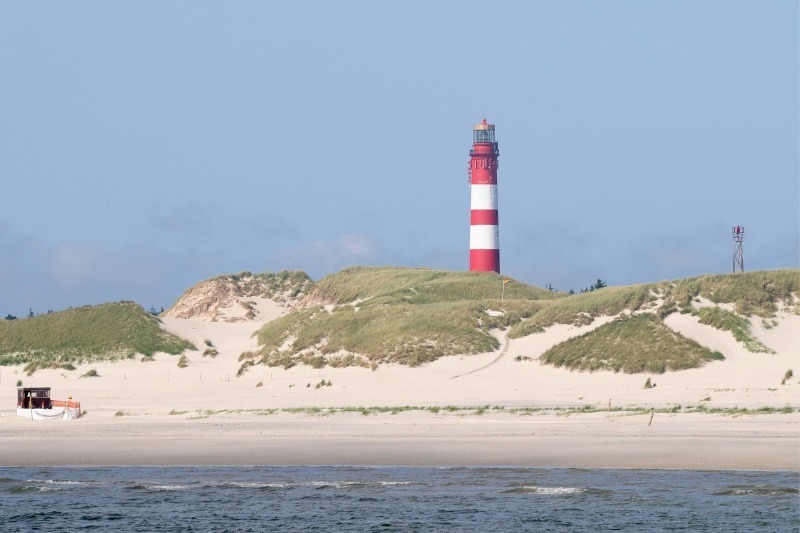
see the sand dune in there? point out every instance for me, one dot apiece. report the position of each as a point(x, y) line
point(146, 392)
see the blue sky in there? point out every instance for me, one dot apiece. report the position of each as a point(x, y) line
point(145, 146)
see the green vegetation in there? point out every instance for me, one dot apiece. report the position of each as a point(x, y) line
point(582, 309)
point(394, 285)
point(366, 316)
point(210, 352)
point(630, 344)
point(736, 324)
point(753, 293)
point(460, 411)
point(409, 316)
point(91, 374)
point(270, 284)
point(87, 334)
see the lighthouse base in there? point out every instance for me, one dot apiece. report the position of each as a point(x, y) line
point(484, 260)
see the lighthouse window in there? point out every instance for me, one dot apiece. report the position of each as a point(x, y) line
point(484, 136)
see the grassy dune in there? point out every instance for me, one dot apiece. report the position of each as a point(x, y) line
point(630, 344)
point(393, 285)
point(752, 293)
point(86, 334)
point(413, 316)
point(581, 309)
point(404, 315)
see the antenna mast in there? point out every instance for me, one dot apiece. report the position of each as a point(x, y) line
point(738, 253)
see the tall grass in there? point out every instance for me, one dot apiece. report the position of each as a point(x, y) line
point(631, 344)
point(736, 324)
point(395, 285)
point(403, 333)
point(753, 293)
point(582, 309)
point(104, 332)
point(410, 316)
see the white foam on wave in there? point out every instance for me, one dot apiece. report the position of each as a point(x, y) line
point(253, 485)
point(167, 487)
point(552, 490)
point(56, 482)
point(342, 484)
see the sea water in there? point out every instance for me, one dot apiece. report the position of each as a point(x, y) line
point(346, 498)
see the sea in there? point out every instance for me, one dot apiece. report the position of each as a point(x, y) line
point(349, 498)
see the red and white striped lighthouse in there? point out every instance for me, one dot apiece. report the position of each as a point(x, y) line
point(484, 235)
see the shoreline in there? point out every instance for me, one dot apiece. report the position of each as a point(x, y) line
point(766, 442)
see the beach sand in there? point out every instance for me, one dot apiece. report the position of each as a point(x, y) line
point(127, 418)
point(695, 441)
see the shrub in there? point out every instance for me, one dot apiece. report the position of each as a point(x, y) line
point(210, 352)
point(209, 343)
point(183, 362)
point(259, 384)
point(91, 374)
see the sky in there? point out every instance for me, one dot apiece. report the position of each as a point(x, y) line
point(145, 146)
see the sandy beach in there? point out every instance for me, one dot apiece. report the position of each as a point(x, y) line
point(694, 441)
point(219, 418)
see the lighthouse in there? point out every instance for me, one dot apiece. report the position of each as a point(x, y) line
point(484, 235)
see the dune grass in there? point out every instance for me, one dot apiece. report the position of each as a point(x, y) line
point(86, 334)
point(395, 285)
point(753, 293)
point(400, 333)
point(582, 309)
point(736, 324)
point(472, 410)
point(403, 315)
point(272, 283)
point(413, 316)
point(631, 344)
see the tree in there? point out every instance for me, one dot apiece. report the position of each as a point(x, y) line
point(599, 284)
point(9, 316)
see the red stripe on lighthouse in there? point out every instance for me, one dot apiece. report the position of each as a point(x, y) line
point(484, 260)
point(483, 216)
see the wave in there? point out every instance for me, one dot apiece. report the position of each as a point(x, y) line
point(156, 487)
point(32, 488)
point(353, 484)
point(534, 489)
point(57, 482)
point(254, 485)
point(757, 490)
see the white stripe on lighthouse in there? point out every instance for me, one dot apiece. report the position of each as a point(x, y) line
point(483, 197)
point(484, 237)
